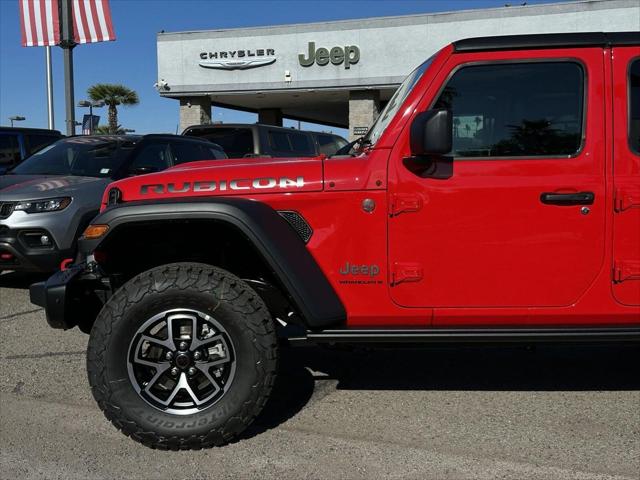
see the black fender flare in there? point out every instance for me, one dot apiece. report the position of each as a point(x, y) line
point(277, 242)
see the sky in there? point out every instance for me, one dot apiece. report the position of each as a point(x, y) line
point(131, 59)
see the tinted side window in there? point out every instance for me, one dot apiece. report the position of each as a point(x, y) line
point(301, 143)
point(184, 152)
point(326, 144)
point(9, 150)
point(512, 110)
point(279, 141)
point(236, 142)
point(634, 106)
point(38, 142)
point(153, 156)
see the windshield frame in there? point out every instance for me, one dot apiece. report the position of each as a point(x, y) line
point(392, 107)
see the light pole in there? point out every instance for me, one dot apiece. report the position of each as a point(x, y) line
point(90, 104)
point(16, 118)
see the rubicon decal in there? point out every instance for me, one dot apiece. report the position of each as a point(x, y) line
point(237, 184)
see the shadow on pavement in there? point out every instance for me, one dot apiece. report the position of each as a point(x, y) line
point(542, 368)
point(21, 280)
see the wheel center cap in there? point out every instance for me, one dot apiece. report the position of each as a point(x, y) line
point(183, 360)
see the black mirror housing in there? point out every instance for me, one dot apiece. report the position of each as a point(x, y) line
point(432, 133)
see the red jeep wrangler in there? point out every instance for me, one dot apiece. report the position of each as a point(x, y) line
point(496, 198)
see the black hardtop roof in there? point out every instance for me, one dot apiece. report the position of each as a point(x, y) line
point(29, 129)
point(547, 40)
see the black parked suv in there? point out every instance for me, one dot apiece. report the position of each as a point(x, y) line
point(16, 144)
point(258, 140)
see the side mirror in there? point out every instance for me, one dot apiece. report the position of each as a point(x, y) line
point(432, 133)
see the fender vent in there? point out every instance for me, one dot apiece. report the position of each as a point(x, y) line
point(298, 223)
point(114, 196)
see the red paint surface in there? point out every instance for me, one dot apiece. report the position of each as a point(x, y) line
point(488, 251)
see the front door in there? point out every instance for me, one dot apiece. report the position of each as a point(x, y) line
point(517, 217)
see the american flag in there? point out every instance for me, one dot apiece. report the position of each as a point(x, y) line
point(87, 128)
point(40, 22)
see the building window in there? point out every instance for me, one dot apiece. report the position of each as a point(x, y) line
point(516, 109)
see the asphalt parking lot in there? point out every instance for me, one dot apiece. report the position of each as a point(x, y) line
point(544, 413)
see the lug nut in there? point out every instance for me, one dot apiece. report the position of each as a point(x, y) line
point(174, 372)
point(183, 345)
point(191, 372)
point(169, 355)
point(197, 355)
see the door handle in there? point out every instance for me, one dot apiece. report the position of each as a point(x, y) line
point(567, 199)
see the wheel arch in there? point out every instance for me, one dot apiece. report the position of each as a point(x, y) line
point(248, 238)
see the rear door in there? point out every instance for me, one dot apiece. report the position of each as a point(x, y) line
point(626, 170)
point(502, 224)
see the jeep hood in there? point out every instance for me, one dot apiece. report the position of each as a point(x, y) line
point(247, 177)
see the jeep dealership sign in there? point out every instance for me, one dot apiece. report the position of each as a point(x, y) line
point(349, 55)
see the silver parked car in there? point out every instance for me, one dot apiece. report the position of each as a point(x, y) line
point(48, 200)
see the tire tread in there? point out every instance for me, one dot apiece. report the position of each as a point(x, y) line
point(185, 276)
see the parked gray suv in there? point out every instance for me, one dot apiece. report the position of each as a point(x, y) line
point(47, 201)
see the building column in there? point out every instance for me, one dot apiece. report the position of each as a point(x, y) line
point(270, 116)
point(364, 107)
point(194, 111)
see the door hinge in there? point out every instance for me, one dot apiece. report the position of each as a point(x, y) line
point(404, 202)
point(626, 270)
point(405, 272)
point(626, 197)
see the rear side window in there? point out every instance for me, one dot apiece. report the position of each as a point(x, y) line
point(326, 144)
point(279, 141)
point(236, 142)
point(290, 142)
point(9, 150)
point(634, 106)
point(516, 110)
point(301, 143)
point(153, 157)
point(184, 152)
point(38, 142)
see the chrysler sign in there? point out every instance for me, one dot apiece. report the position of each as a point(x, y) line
point(238, 59)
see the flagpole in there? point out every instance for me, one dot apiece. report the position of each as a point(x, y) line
point(51, 120)
point(67, 45)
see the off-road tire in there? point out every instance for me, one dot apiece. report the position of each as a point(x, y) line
point(185, 285)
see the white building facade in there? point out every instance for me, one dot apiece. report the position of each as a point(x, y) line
point(339, 73)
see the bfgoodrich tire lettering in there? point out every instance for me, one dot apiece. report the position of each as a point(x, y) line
point(192, 287)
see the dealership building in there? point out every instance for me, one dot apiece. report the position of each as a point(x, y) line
point(342, 73)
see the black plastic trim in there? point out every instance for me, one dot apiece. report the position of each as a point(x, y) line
point(281, 247)
point(476, 335)
point(547, 40)
point(54, 296)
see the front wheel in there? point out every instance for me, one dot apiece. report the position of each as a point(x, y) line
point(183, 356)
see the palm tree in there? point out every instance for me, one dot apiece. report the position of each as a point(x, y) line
point(113, 95)
point(106, 130)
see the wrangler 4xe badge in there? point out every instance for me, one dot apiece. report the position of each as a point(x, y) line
point(263, 183)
